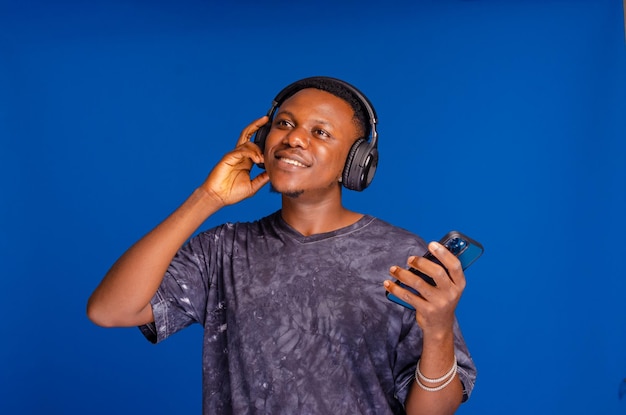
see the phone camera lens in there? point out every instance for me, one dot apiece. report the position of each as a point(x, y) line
point(456, 245)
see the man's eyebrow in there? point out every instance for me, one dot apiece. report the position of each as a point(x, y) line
point(283, 112)
point(290, 115)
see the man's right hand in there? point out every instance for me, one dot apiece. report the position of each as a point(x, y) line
point(230, 181)
point(123, 296)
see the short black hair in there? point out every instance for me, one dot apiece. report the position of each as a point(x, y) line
point(338, 89)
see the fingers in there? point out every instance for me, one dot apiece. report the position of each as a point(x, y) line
point(408, 286)
point(252, 128)
point(245, 148)
point(244, 152)
point(451, 264)
point(259, 181)
point(414, 283)
point(434, 304)
point(430, 279)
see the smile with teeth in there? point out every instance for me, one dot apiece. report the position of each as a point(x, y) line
point(292, 162)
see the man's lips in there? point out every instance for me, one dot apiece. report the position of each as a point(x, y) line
point(292, 159)
point(292, 162)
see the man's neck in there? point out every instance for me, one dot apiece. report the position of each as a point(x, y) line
point(319, 217)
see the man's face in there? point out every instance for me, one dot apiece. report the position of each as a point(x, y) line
point(309, 141)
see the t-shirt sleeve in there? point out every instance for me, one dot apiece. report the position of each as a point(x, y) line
point(410, 349)
point(181, 298)
point(466, 367)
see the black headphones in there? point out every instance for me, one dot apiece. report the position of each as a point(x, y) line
point(362, 160)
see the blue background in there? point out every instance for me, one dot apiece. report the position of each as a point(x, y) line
point(502, 119)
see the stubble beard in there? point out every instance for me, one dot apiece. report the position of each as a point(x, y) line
point(292, 194)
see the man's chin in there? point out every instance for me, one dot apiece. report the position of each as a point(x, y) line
point(293, 194)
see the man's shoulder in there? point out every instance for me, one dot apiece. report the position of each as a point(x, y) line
point(386, 230)
point(384, 224)
point(229, 230)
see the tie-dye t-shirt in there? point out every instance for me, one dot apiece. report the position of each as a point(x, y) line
point(297, 324)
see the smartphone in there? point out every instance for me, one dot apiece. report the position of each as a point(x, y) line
point(466, 249)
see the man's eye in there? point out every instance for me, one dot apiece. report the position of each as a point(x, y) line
point(322, 133)
point(282, 123)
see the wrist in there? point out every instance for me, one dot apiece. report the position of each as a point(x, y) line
point(196, 209)
point(435, 384)
point(208, 198)
point(438, 336)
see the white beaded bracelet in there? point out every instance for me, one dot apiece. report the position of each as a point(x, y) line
point(440, 387)
point(429, 380)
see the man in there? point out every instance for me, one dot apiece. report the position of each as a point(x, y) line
point(293, 306)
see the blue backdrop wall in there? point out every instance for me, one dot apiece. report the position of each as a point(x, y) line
point(503, 119)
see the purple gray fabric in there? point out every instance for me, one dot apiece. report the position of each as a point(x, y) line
point(297, 324)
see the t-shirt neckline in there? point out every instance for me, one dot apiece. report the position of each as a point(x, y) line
point(281, 224)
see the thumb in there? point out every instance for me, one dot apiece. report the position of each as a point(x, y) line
point(259, 181)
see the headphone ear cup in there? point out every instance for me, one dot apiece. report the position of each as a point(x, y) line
point(259, 140)
point(360, 166)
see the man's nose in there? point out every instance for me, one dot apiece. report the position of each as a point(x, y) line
point(298, 137)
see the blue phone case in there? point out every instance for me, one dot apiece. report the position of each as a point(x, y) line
point(463, 247)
